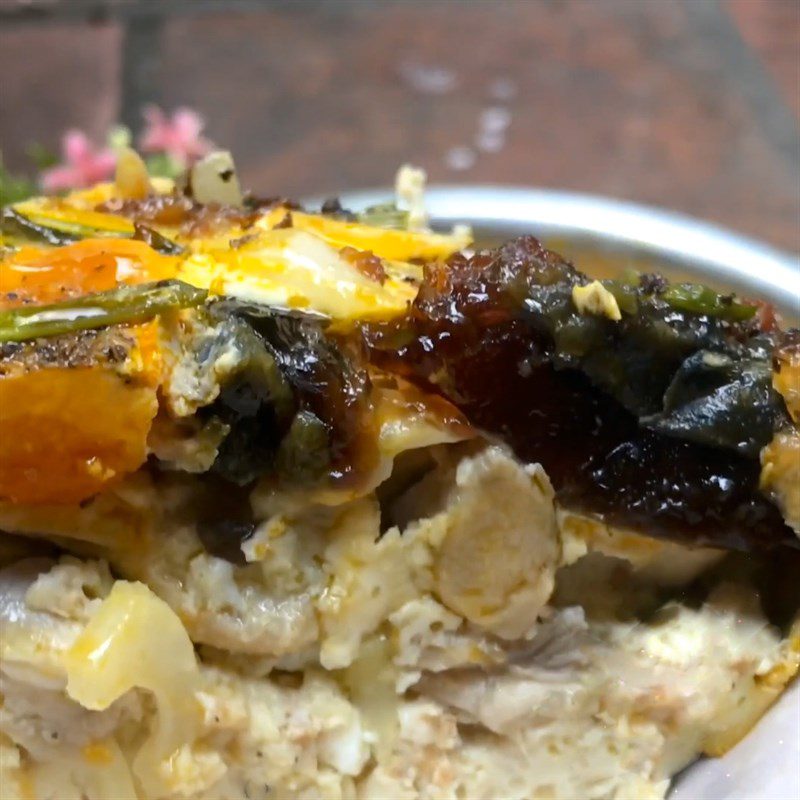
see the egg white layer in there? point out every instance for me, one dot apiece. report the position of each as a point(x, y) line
point(452, 635)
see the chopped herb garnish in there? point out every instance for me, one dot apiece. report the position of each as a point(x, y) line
point(386, 215)
point(699, 299)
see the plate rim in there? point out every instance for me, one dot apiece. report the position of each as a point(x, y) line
point(730, 256)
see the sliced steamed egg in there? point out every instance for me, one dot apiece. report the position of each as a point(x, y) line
point(400, 245)
point(290, 268)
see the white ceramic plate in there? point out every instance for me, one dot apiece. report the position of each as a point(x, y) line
point(766, 764)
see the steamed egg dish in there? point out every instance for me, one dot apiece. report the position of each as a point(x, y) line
point(263, 535)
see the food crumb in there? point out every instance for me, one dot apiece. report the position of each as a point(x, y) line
point(596, 299)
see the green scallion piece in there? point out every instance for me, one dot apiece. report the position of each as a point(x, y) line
point(123, 305)
point(13, 223)
point(386, 215)
point(699, 299)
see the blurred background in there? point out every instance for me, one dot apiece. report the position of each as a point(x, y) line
point(689, 104)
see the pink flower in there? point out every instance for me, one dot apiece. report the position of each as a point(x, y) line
point(178, 136)
point(82, 164)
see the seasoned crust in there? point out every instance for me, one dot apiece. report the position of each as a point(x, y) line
point(103, 347)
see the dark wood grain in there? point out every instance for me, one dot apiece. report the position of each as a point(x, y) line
point(686, 104)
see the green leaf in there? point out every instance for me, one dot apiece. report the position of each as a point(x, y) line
point(162, 165)
point(14, 188)
point(41, 156)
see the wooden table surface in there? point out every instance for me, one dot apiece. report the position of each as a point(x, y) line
point(691, 104)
